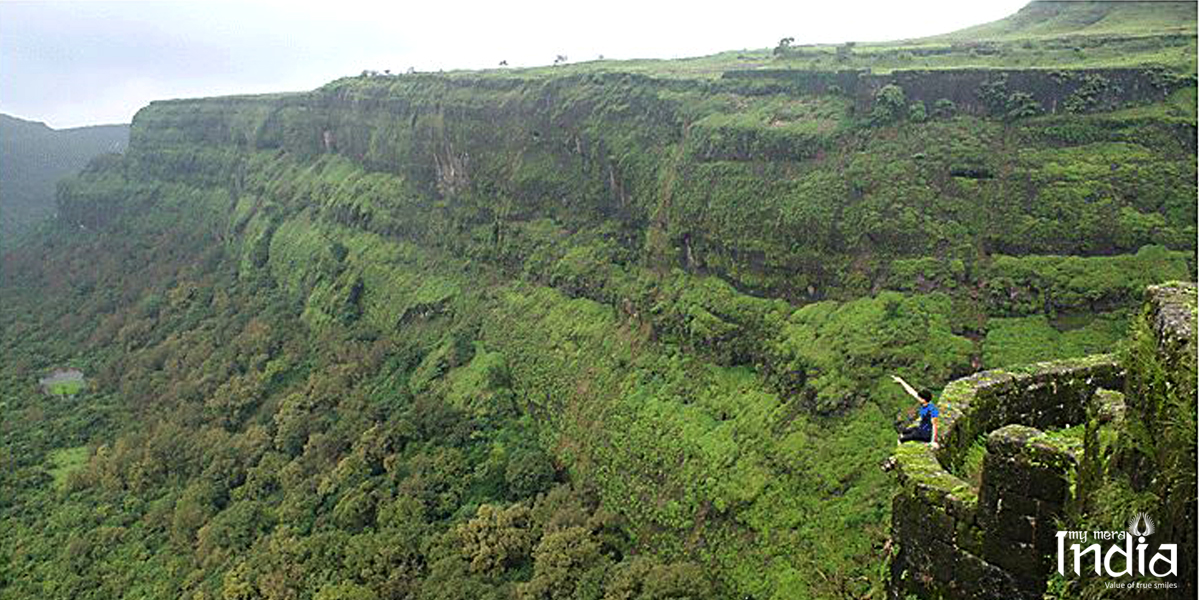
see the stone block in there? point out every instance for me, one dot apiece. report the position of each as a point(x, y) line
point(1010, 440)
point(906, 516)
point(1018, 558)
point(977, 579)
point(914, 520)
point(1001, 477)
point(1049, 485)
point(1019, 504)
point(937, 523)
point(942, 555)
point(1044, 539)
point(1173, 317)
point(968, 537)
point(1010, 525)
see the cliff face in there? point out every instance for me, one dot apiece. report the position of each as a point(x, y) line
point(995, 92)
point(779, 189)
point(615, 258)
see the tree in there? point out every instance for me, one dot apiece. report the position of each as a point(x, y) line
point(1022, 104)
point(844, 51)
point(561, 58)
point(345, 591)
point(497, 539)
point(528, 472)
point(564, 561)
point(643, 578)
point(785, 44)
point(238, 585)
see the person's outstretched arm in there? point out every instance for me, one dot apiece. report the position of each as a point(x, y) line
point(907, 388)
point(933, 437)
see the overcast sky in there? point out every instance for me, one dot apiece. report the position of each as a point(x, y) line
point(84, 63)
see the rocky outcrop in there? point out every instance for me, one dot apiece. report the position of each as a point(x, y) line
point(959, 540)
point(995, 539)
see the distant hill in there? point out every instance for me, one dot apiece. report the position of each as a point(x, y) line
point(1040, 19)
point(33, 157)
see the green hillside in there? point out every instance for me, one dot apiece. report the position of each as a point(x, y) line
point(1050, 19)
point(616, 330)
point(34, 157)
point(1042, 35)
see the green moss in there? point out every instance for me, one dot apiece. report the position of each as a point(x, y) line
point(921, 474)
point(971, 466)
point(1068, 440)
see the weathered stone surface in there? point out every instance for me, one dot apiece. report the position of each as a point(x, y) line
point(976, 578)
point(921, 475)
point(1011, 440)
point(1173, 315)
point(1018, 558)
point(968, 537)
point(1050, 486)
point(917, 519)
point(1007, 525)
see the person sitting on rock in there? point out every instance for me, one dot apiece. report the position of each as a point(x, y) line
point(926, 430)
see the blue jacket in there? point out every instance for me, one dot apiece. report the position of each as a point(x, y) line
point(928, 413)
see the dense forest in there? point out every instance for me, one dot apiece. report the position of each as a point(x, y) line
point(34, 157)
point(611, 330)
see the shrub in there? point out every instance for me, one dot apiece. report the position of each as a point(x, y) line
point(944, 108)
point(916, 112)
point(889, 104)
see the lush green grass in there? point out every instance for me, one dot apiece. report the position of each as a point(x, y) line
point(1056, 19)
point(66, 388)
point(1020, 340)
point(65, 461)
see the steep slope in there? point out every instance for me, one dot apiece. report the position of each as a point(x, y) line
point(562, 334)
point(34, 157)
